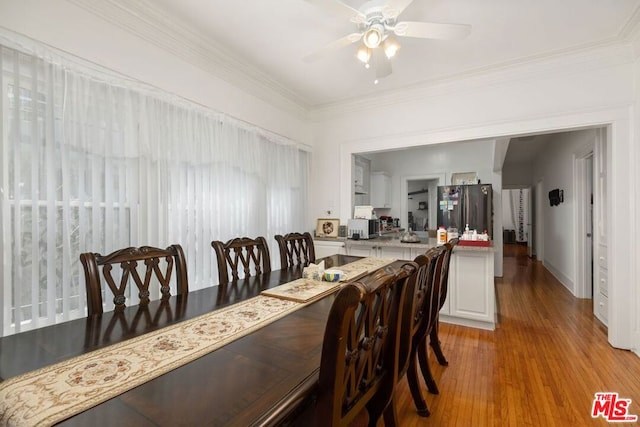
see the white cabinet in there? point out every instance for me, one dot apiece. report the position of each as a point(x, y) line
point(380, 190)
point(366, 250)
point(471, 296)
point(601, 299)
point(394, 252)
point(601, 269)
point(379, 251)
point(471, 290)
point(325, 248)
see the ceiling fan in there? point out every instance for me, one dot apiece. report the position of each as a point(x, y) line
point(377, 24)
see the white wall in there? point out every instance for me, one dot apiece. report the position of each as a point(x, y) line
point(634, 188)
point(517, 175)
point(478, 108)
point(556, 166)
point(74, 30)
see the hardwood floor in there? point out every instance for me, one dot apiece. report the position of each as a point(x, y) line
point(540, 367)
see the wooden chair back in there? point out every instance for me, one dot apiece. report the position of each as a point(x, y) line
point(425, 314)
point(360, 350)
point(427, 300)
point(242, 254)
point(154, 259)
point(434, 339)
point(444, 286)
point(296, 249)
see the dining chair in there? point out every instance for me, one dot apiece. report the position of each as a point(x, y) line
point(434, 340)
point(425, 311)
point(155, 260)
point(242, 254)
point(359, 350)
point(296, 249)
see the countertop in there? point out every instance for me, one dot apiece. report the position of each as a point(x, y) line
point(393, 240)
point(330, 239)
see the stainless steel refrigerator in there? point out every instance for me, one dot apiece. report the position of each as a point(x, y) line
point(459, 205)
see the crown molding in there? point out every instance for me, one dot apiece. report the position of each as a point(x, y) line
point(631, 32)
point(145, 20)
point(614, 48)
point(567, 61)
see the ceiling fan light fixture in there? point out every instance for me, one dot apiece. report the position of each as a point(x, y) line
point(364, 54)
point(373, 35)
point(390, 46)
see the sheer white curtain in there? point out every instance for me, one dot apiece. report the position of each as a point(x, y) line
point(93, 162)
point(516, 212)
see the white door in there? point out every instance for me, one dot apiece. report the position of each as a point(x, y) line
point(589, 222)
point(529, 226)
point(539, 221)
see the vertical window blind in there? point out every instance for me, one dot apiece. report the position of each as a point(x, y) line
point(92, 162)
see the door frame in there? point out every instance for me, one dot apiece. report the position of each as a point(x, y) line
point(529, 224)
point(538, 220)
point(583, 189)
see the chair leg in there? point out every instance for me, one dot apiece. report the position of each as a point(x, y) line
point(434, 340)
point(423, 358)
point(391, 414)
point(414, 387)
point(374, 414)
point(377, 407)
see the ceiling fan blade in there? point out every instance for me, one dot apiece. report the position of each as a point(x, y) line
point(394, 8)
point(381, 63)
point(334, 45)
point(338, 9)
point(432, 30)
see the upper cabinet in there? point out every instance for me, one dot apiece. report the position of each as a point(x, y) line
point(380, 189)
point(361, 185)
point(358, 180)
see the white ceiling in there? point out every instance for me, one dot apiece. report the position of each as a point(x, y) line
point(270, 39)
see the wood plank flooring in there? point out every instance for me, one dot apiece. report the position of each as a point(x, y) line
point(541, 367)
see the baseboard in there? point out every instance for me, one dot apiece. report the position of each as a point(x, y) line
point(467, 322)
point(566, 282)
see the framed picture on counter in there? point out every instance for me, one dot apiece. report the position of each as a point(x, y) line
point(327, 227)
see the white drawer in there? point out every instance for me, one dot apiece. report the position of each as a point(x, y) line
point(602, 308)
point(603, 285)
point(602, 256)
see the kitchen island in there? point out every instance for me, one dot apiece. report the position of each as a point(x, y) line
point(471, 295)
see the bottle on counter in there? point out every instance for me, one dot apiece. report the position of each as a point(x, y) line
point(467, 233)
point(442, 236)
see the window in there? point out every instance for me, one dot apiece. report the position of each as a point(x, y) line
point(91, 162)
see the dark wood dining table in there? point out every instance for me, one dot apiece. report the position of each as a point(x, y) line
point(259, 379)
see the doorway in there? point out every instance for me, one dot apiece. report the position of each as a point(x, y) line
point(411, 202)
point(517, 216)
point(583, 180)
point(421, 203)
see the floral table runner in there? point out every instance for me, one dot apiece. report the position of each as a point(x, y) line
point(59, 391)
point(307, 290)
